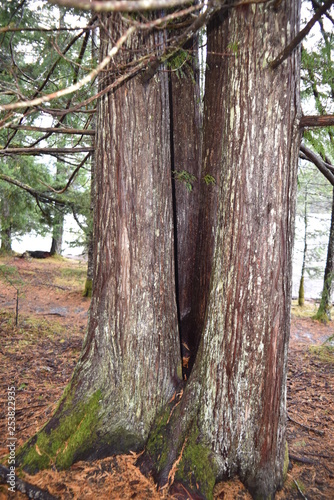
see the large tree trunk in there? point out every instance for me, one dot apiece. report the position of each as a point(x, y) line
point(130, 364)
point(231, 417)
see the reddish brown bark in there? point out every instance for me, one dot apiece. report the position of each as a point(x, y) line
point(130, 364)
point(233, 408)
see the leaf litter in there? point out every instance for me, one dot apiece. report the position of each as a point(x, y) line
point(38, 357)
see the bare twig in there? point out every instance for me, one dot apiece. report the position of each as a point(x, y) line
point(70, 179)
point(299, 490)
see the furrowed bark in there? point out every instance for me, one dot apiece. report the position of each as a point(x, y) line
point(231, 417)
point(130, 363)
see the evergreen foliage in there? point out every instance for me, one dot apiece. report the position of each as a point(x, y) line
point(35, 62)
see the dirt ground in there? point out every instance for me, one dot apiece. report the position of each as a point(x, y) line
point(38, 355)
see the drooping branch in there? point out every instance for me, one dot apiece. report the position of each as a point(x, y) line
point(301, 35)
point(39, 196)
point(316, 121)
point(45, 151)
point(318, 162)
point(145, 61)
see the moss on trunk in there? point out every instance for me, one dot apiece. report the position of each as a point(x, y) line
point(88, 288)
point(301, 294)
point(64, 438)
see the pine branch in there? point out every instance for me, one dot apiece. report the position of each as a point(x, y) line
point(301, 35)
point(36, 194)
point(72, 88)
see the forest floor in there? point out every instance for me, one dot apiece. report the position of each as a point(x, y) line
point(38, 355)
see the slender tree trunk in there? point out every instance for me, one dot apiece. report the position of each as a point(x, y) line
point(57, 233)
point(130, 363)
point(231, 417)
point(324, 311)
point(6, 230)
point(90, 254)
point(301, 292)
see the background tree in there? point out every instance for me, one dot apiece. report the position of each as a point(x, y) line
point(35, 62)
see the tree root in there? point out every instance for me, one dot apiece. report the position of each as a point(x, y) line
point(24, 487)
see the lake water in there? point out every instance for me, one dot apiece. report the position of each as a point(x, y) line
point(32, 241)
point(319, 225)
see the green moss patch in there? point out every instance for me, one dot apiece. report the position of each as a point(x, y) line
point(88, 288)
point(64, 438)
point(197, 467)
point(158, 444)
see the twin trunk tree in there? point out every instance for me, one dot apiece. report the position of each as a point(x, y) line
point(233, 303)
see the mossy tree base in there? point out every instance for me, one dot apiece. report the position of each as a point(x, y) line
point(76, 432)
point(178, 452)
point(322, 315)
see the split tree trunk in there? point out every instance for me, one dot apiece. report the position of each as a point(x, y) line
point(130, 363)
point(231, 417)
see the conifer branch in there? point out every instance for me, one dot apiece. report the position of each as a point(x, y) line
point(301, 35)
point(72, 88)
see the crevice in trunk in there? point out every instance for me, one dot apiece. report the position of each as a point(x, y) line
point(175, 239)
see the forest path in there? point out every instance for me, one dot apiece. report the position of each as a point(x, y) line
point(38, 357)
